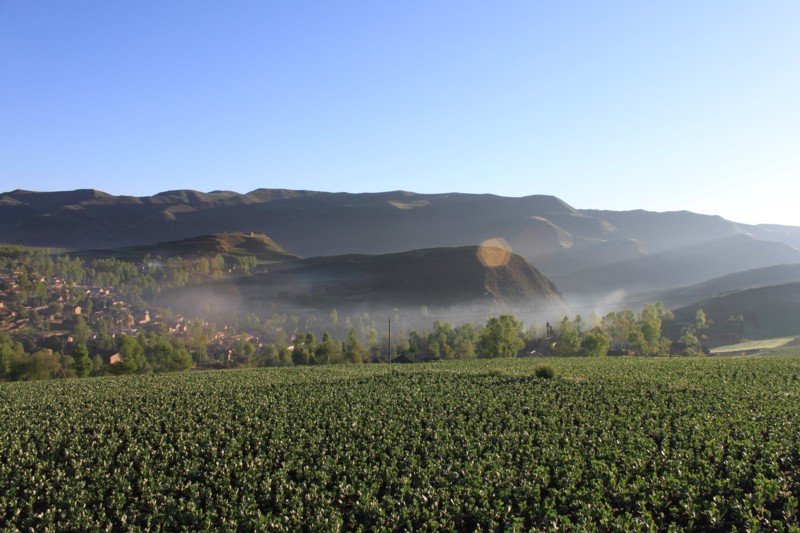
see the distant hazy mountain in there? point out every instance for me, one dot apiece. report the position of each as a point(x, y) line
point(749, 279)
point(587, 253)
point(677, 267)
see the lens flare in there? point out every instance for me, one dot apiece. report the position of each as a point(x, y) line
point(494, 253)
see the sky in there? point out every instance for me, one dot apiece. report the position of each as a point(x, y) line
point(656, 105)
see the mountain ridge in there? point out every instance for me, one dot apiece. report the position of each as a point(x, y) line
point(586, 250)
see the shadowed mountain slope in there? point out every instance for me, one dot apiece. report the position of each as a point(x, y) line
point(765, 312)
point(749, 279)
point(438, 278)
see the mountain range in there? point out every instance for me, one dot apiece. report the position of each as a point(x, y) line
point(594, 258)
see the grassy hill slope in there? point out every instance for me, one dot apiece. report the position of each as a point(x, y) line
point(767, 312)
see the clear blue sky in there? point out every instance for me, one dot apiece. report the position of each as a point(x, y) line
point(613, 105)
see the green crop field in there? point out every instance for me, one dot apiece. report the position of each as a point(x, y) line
point(704, 444)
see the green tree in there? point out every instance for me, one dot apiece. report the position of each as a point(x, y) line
point(650, 324)
point(373, 343)
point(327, 351)
point(300, 353)
point(133, 358)
point(691, 343)
point(502, 337)
point(179, 359)
point(268, 356)
point(81, 331)
point(595, 343)
point(43, 364)
point(441, 341)
point(569, 341)
point(637, 344)
point(467, 338)
point(284, 355)
point(354, 351)
point(104, 339)
point(12, 354)
point(618, 326)
point(217, 266)
point(67, 367)
point(82, 363)
point(97, 365)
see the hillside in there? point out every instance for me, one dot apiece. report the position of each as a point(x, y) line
point(749, 279)
point(227, 244)
point(442, 278)
point(671, 230)
point(678, 267)
point(766, 312)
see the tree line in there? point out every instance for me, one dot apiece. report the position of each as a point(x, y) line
point(617, 333)
point(279, 339)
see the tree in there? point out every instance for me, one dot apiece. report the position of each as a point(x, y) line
point(636, 342)
point(327, 351)
point(569, 341)
point(81, 330)
point(595, 344)
point(578, 323)
point(284, 355)
point(217, 266)
point(179, 359)
point(244, 350)
point(618, 326)
point(43, 364)
point(132, 353)
point(373, 344)
point(441, 341)
point(299, 351)
point(12, 354)
point(467, 337)
point(104, 341)
point(67, 367)
point(268, 356)
point(82, 363)
point(502, 337)
point(650, 324)
point(354, 351)
point(245, 263)
point(97, 364)
point(700, 326)
point(691, 343)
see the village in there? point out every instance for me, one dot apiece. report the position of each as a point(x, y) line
point(54, 314)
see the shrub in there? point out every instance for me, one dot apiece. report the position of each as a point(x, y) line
point(544, 371)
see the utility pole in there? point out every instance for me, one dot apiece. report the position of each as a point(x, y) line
point(390, 339)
